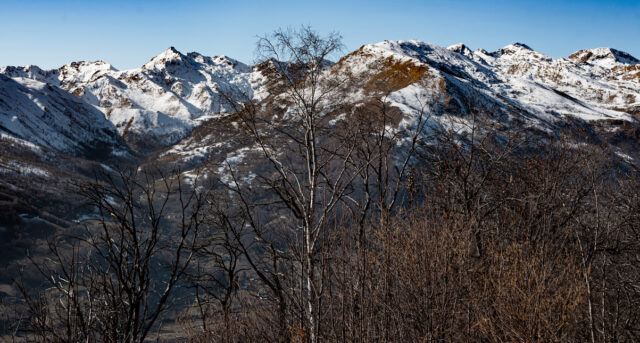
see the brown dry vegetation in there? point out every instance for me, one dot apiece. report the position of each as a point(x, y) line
point(629, 72)
point(498, 248)
point(393, 75)
point(519, 69)
point(126, 128)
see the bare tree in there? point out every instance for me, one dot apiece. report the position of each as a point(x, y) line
point(216, 278)
point(305, 174)
point(112, 280)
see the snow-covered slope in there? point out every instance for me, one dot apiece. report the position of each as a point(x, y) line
point(604, 57)
point(39, 113)
point(49, 139)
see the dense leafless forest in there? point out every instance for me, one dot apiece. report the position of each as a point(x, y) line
point(351, 231)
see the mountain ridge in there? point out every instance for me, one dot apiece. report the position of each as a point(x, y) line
point(160, 103)
point(178, 109)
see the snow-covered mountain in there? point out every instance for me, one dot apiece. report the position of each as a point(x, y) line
point(58, 126)
point(162, 101)
point(49, 139)
point(604, 79)
point(512, 85)
point(522, 80)
point(176, 107)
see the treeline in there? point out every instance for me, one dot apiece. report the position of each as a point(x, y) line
point(367, 229)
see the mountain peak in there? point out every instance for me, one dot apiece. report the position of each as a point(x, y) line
point(520, 45)
point(99, 64)
point(171, 52)
point(605, 57)
point(14, 71)
point(30, 72)
point(461, 49)
point(171, 55)
point(512, 49)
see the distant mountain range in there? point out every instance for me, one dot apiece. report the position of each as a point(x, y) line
point(57, 125)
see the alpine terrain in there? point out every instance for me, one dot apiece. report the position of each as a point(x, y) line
point(212, 121)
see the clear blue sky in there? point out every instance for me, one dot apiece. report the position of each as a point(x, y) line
point(128, 33)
